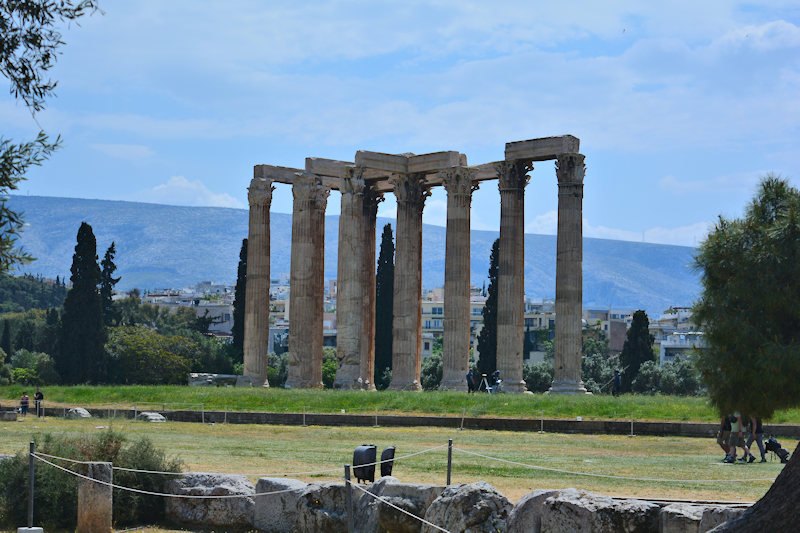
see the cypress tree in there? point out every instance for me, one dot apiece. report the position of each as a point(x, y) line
point(82, 355)
point(239, 296)
point(638, 348)
point(107, 282)
point(487, 339)
point(384, 302)
point(5, 341)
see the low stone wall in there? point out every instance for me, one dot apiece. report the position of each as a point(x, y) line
point(278, 505)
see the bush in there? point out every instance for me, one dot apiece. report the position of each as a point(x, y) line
point(432, 371)
point(538, 377)
point(56, 491)
point(139, 355)
point(36, 368)
point(329, 366)
point(672, 377)
point(277, 369)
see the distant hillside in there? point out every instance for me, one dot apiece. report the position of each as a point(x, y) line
point(167, 246)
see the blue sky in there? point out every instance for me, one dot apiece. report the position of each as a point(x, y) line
point(680, 106)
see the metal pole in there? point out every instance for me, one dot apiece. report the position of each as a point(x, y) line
point(203, 412)
point(225, 419)
point(135, 410)
point(350, 524)
point(376, 417)
point(463, 414)
point(449, 459)
point(631, 435)
point(541, 425)
point(304, 416)
point(30, 485)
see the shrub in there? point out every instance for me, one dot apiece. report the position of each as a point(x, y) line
point(40, 368)
point(277, 369)
point(432, 371)
point(538, 377)
point(329, 366)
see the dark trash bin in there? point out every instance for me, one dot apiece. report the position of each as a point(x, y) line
point(364, 455)
point(387, 461)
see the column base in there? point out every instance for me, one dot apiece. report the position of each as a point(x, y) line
point(454, 384)
point(347, 377)
point(299, 384)
point(567, 386)
point(513, 387)
point(258, 381)
point(409, 385)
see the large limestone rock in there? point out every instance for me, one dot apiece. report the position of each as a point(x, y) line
point(526, 516)
point(680, 518)
point(579, 511)
point(322, 508)
point(277, 513)
point(150, 416)
point(469, 508)
point(78, 412)
point(229, 513)
point(715, 516)
point(95, 499)
point(372, 516)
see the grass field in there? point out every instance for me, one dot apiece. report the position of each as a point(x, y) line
point(662, 408)
point(258, 450)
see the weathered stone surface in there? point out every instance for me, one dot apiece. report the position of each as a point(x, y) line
point(6, 457)
point(78, 412)
point(321, 508)
point(680, 518)
point(232, 513)
point(526, 516)
point(150, 416)
point(277, 513)
point(8, 416)
point(580, 511)
point(469, 508)
point(372, 516)
point(95, 499)
point(199, 379)
point(715, 516)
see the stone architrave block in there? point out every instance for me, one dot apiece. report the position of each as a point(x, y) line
point(229, 513)
point(95, 499)
point(78, 412)
point(526, 516)
point(680, 518)
point(322, 508)
point(542, 149)
point(716, 515)
point(277, 513)
point(470, 508)
point(150, 416)
point(583, 512)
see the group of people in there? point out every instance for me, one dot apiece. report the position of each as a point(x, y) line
point(474, 382)
point(38, 402)
point(732, 429)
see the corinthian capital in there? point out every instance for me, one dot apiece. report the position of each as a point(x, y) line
point(410, 189)
point(570, 169)
point(513, 175)
point(458, 180)
point(260, 192)
point(308, 187)
point(352, 181)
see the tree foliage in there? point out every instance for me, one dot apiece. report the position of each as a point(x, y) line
point(239, 297)
point(29, 47)
point(107, 283)
point(487, 338)
point(637, 349)
point(750, 305)
point(384, 303)
point(21, 293)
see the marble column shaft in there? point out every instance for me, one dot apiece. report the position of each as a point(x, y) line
point(256, 319)
point(411, 193)
point(306, 291)
point(455, 349)
point(513, 177)
point(350, 283)
point(570, 171)
point(367, 367)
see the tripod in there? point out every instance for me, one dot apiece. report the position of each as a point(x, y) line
point(484, 384)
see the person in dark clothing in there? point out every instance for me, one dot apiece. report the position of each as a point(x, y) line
point(724, 434)
point(24, 402)
point(756, 433)
point(470, 382)
point(616, 384)
point(38, 401)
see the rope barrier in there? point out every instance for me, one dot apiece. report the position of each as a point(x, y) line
point(608, 476)
point(384, 501)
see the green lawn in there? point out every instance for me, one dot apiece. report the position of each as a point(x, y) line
point(663, 408)
point(259, 450)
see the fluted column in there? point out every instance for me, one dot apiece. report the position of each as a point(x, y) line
point(455, 350)
point(367, 367)
point(350, 291)
point(570, 171)
point(513, 177)
point(256, 318)
point(306, 290)
point(411, 192)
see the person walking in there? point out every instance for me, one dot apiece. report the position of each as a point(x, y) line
point(24, 402)
point(724, 435)
point(756, 433)
point(737, 439)
point(38, 402)
point(470, 382)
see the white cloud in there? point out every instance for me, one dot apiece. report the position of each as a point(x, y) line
point(131, 152)
point(742, 182)
point(180, 191)
point(545, 224)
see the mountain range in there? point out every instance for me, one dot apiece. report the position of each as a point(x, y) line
point(163, 246)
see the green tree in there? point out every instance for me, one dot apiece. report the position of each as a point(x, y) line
point(384, 303)
point(5, 340)
point(329, 366)
point(487, 339)
point(29, 47)
point(539, 376)
point(239, 296)
point(81, 356)
point(107, 283)
point(749, 311)
point(431, 372)
point(637, 349)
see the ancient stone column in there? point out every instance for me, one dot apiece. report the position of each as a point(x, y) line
point(570, 171)
point(95, 499)
point(306, 289)
point(256, 318)
point(371, 201)
point(455, 350)
point(411, 193)
point(513, 177)
point(350, 281)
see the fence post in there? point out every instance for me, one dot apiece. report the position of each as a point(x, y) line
point(203, 413)
point(631, 435)
point(449, 459)
point(95, 500)
point(350, 522)
point(541, 425)
point(463, 414)
point(376, 417)
point(30, 484)
point(304, 416)
point(135, 410)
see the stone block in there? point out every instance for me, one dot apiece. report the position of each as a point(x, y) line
point(226, 513)
point(473, 507)
point(322, 507)
point(78, 412)
point(716, 515)
point(542, 149)
point(95, 499)
point(277, 513)
point(8, 416)
point(680, 518)
point(373, 516)
point(150, 416)
point(526, 515)
point(244, 381)
point(583, 512)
